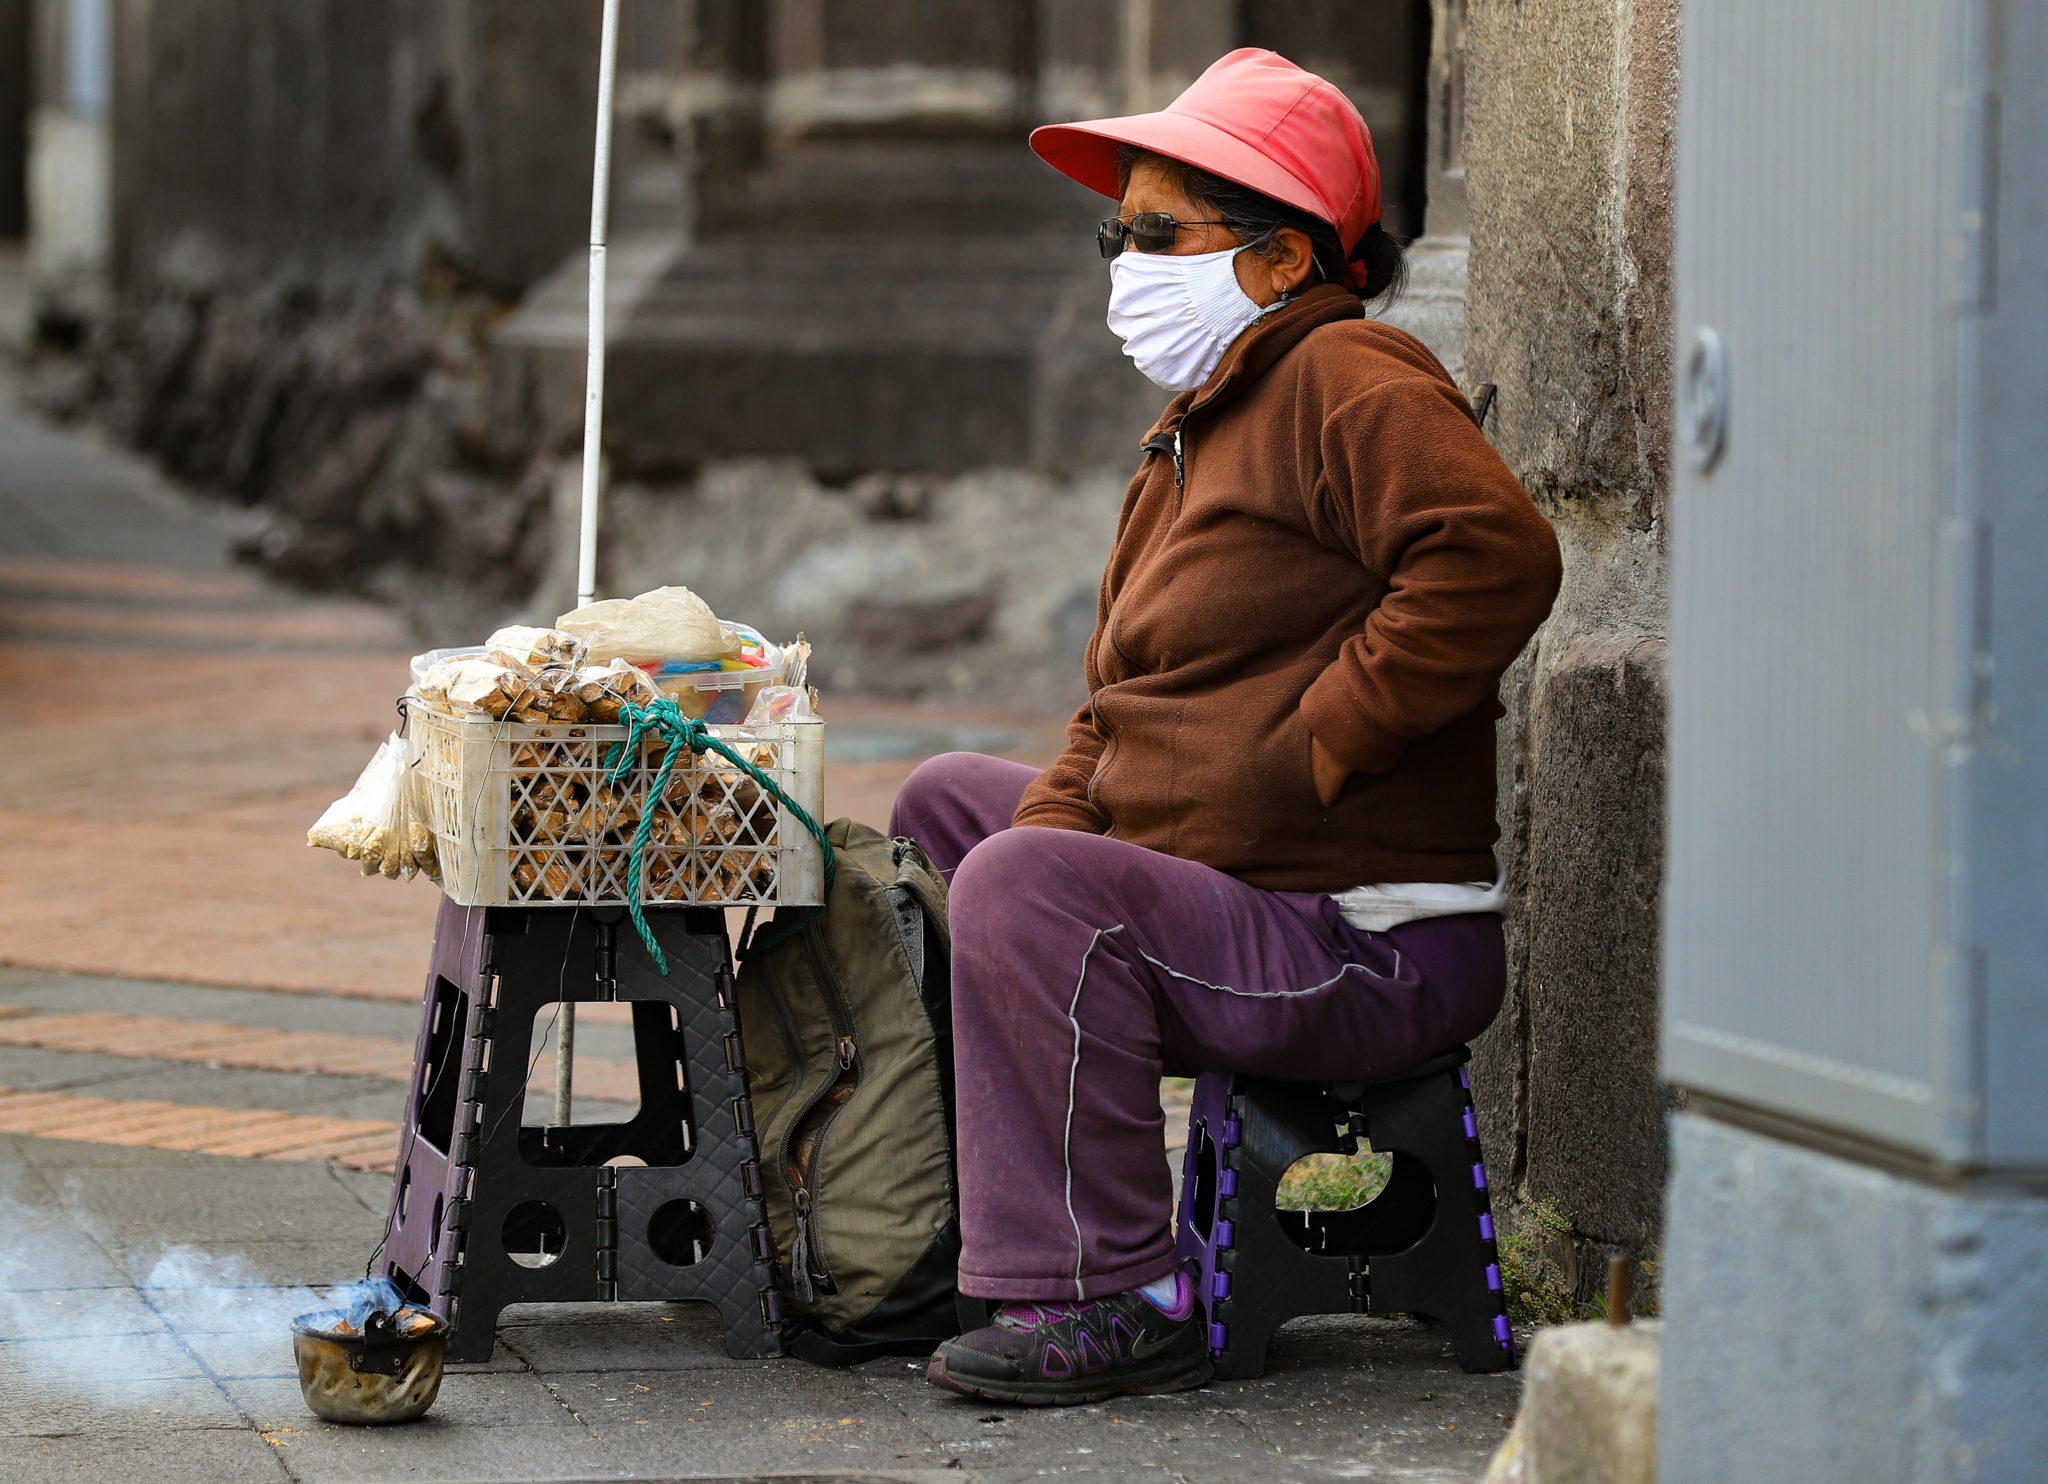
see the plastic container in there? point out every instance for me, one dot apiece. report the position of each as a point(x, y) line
point(724, 697)
point(523, 816)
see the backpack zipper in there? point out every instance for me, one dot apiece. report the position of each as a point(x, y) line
point(809, 1274)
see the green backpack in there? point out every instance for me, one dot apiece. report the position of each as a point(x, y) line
point(847, 1025)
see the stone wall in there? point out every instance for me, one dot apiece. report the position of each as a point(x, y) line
point(1568, 158)
point(321, 208)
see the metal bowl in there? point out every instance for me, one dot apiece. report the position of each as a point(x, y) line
point(384, 1373)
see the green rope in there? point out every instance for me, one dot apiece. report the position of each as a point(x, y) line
point(682, 734)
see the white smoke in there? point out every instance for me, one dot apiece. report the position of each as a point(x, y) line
point(106, 1344)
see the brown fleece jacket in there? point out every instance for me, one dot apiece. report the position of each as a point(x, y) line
point(1339, 554)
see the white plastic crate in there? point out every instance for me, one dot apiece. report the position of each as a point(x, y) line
point(523, 815)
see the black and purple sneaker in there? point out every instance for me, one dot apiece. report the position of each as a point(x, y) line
point(1061, 1354)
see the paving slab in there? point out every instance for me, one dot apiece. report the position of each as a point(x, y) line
point(225, 1087)
point(57, 1157)
point(39, 1403)
point(214, 1308)
point(779, 1417)
point(77, 1313)
point(321, 1262)
point(214, 1456)
point(60, 1364)
point(44, 1247)
point(1164, 1431)
point(519, 1399)
point(1383, 1396)
point(696, 1319)
point(176, 1198)
point(432, 1448)
point(686, 1338)
point(245, 1357)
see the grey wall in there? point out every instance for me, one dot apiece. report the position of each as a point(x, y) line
point(1828, 1320)
point(1567, 151)
point(336, 141)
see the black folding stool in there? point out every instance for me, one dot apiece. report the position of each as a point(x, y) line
point(487, 1210)
point(1424, 1245)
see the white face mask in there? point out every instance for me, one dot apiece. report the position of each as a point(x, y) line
point(1177, 315)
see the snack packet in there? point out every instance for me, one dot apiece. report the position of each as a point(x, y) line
point(471, 688)
point(530, 650)
point(604, 689)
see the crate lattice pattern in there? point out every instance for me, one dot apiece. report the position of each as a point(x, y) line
point(525, 815)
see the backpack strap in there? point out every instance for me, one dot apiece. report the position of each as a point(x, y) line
point(916, 873)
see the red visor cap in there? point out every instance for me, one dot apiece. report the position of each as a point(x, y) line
point(1254, 118)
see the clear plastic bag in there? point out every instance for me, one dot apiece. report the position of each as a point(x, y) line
point(531, 650)
point(378, 822)
point(781, 703)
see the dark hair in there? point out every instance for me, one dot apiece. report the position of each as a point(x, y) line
point(1256, 218)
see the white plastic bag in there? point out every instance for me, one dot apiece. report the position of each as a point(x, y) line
point(377, 822)
point(669, 623)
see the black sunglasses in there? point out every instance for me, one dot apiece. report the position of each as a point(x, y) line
point(1149, 231)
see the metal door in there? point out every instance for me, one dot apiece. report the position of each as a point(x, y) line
point(1821, 566)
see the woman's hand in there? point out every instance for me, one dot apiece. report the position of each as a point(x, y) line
point(1329, 774)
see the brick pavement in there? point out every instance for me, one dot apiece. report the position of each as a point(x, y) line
point(360, 1143)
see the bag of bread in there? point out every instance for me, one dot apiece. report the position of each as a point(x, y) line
point(603, 689)
point(471, 688)
point(530, 650)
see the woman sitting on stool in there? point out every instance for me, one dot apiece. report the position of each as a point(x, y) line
point(1268, 846)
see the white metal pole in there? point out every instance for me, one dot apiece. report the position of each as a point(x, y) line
point(593, 430)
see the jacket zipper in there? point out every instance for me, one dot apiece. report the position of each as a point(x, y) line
point(1180, 473)
point(809, 1273)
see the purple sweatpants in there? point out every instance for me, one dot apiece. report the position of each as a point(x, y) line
point(1085, 968)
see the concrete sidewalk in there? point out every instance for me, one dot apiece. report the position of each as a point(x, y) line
point(204, 1030)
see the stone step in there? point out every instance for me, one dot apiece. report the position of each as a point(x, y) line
point(860, 353)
